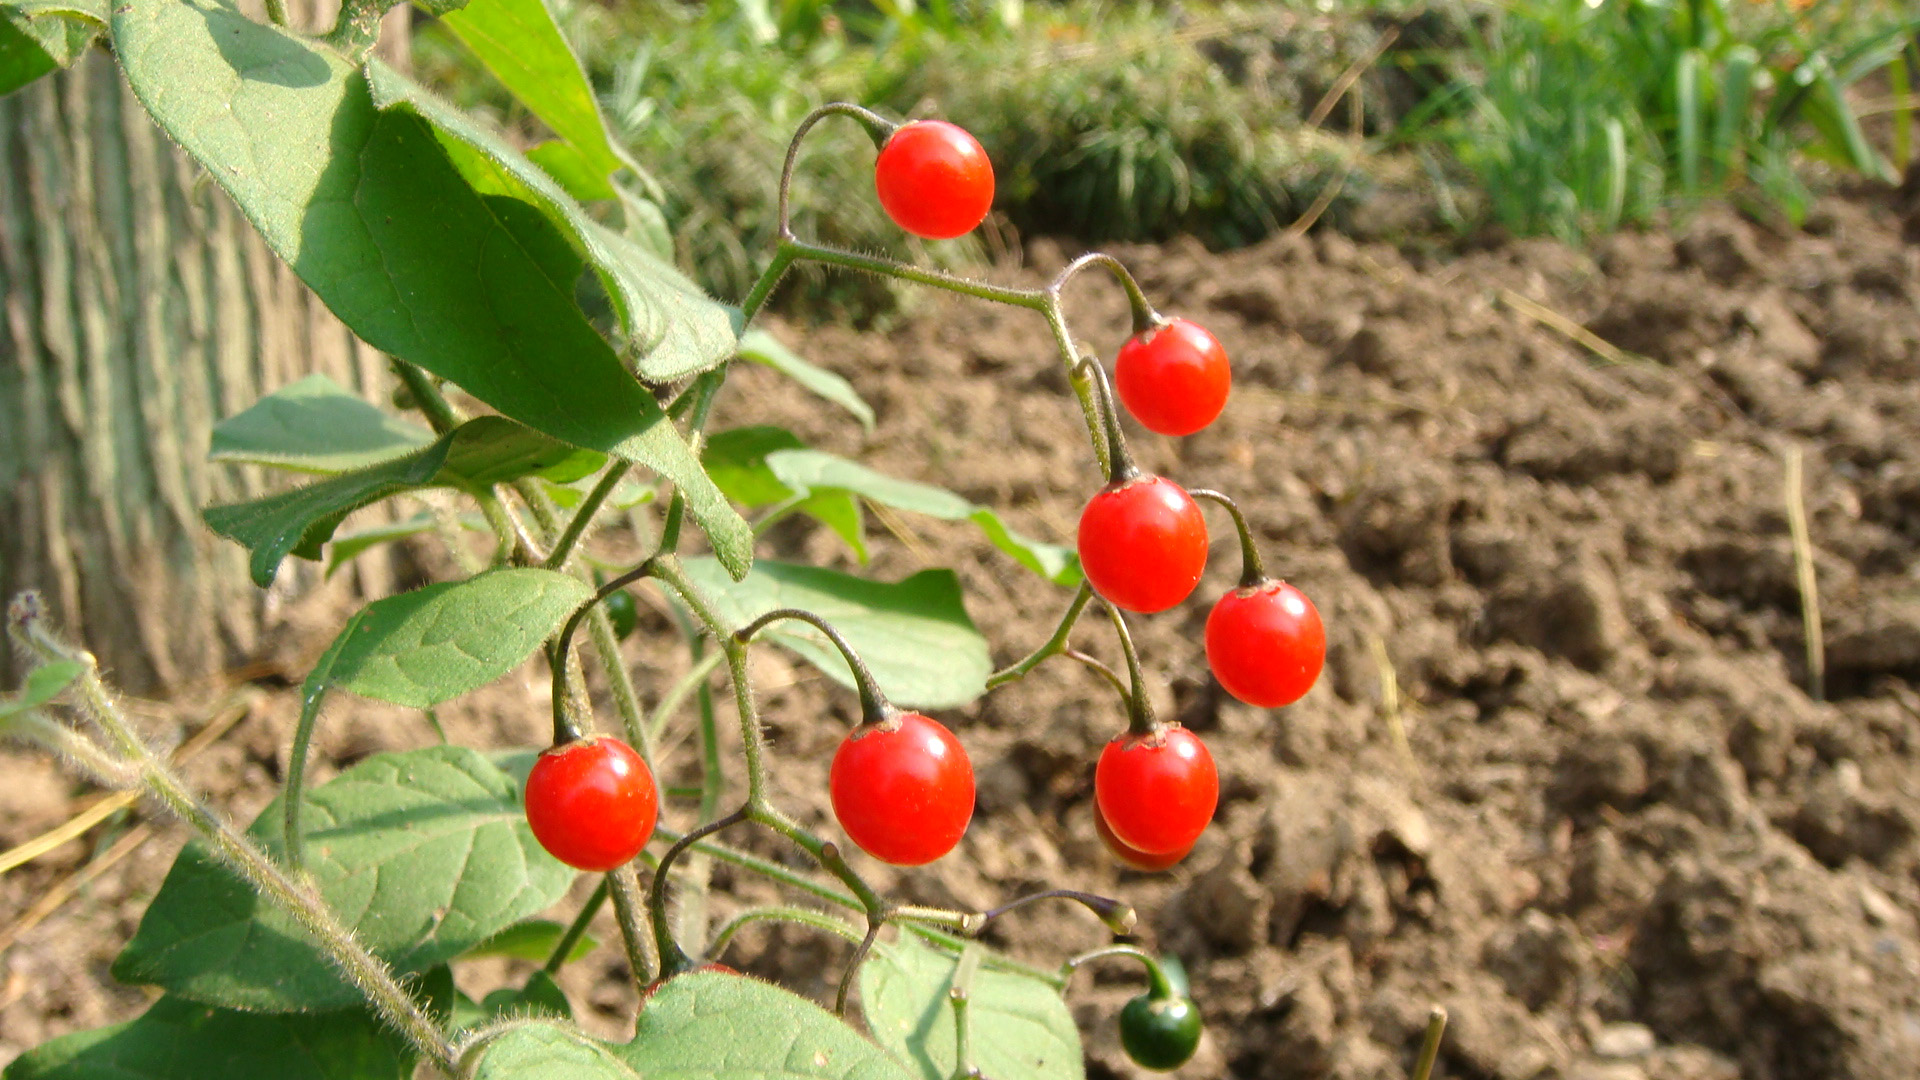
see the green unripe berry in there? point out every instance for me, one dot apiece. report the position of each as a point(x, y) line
point(622, 612)
point(1160, 1033)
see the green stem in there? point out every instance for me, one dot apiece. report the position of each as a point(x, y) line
point(507, 540)
point(277, 12)
point(1252, 571)
point(1158, 985)
point(578, 928)
point(762, 290)
point(583, 517)
point(673, 958)
point(1118, 915)
point(874, 707)
point(960, 996)
point(878, 128)
point(1120, 466)
point(1031, 299)
point(1144, 317)
point(1140, 720)
point(294, 799)
point(768, 869)
point(818, 920)
point(1054, 646)
point(565, 729)
point(630, 912)
point(426, 396)
point(693, 680)
point(1430, 1046)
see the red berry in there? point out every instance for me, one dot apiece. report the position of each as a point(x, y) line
point(934, 180)
point(1173, 378)
point(1143, 544)
point(1266, 644)
point(903, 789)
point(1156, 791)
point(592, 803)
point(1134, 858)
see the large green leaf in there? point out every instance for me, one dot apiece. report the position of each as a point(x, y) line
point(672, 329)
point(481, 452)
point(763, 348)
point(538, 1050)
point(521, 44)
point(177, 1039)
point(314, 425)
point(914, 634)
point(1017, 1025)
point(40, 36)
point(42, 685)
point(423, 855)
point(367, 208)
point(435, 643)
point(22, 58)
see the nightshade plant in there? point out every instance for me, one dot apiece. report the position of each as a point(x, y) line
point(325, 932)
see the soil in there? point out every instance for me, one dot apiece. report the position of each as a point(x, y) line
point(1563, 774)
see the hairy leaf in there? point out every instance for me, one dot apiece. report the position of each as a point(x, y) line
point(422, 854)
point(478, 453)
point(437, 642)
point(176, 1039)
point(314, 425)
point(737, 461)
point(367, 208)
point(42, 685)
point(534, 939)
point(1017, 1025)
point(913, 634)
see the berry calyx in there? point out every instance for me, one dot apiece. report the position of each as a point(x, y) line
point(1266, 644)
point(1157, 791)
point(1133, 858)
point(1143, 543)
point(934, 179)
point(902, 789)
point(592, 803)
point(1174, 378)
point(1160, 1033)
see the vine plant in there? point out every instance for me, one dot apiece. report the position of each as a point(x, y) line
point(325, 932)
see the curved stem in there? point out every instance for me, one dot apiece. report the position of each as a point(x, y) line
point(1117, 914)
point(1054, 646)
point(1100, 668)
point(1120, 466)
point(767, 869)
point(674, 959)
point(565, 727)
point(874, 707)
point(1252, 571)
point(426, 396)
point(1140, 720)
point(1158, 984)
point(860, 952)
point(762, 290)
point(577, 929)
point(1031, 299)
point(877, 126)
point(1144, 317)
point(295, 797)
point(817, 920)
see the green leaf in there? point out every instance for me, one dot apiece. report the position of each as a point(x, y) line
point(177, 1039)
point(534, 939)
point(478, 453)
point(521, 44)
point(540, 995)
point(40, 36)
point(737, 461)
point(672, 328)
point(819, 473)
point(763, 348)
point(423, 855)
point(370, 212)
point(538, 1050)
point(1017, 1025)
point(343, 549)
point(42, 685)
point(22, 58)
point(914, 634)
point(314, 425)
point(435, 643)
point(711, 1024)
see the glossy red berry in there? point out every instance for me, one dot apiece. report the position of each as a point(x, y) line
point(1143, 544)
point(1158, 791)
point(592, 803)
point(1265, 644)
point(1130, 857)
point(934, 180)
point(903, 789)
point(1173, 378)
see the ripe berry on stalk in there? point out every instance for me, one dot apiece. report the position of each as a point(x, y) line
point(1174, 378)
point(1157, 791)
point(1133, 858)
point(902, 789)
point(1266, 644)
point(934, 179)
point(592, 802)
point(1143, 544)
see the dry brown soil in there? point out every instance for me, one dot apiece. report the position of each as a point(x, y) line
point(1619, 840)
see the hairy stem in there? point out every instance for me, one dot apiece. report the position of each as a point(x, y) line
point(1054, 646)
point(1252, 572)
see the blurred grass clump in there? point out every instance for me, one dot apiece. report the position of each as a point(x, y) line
point(1575, 117)
point(1106, 122)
